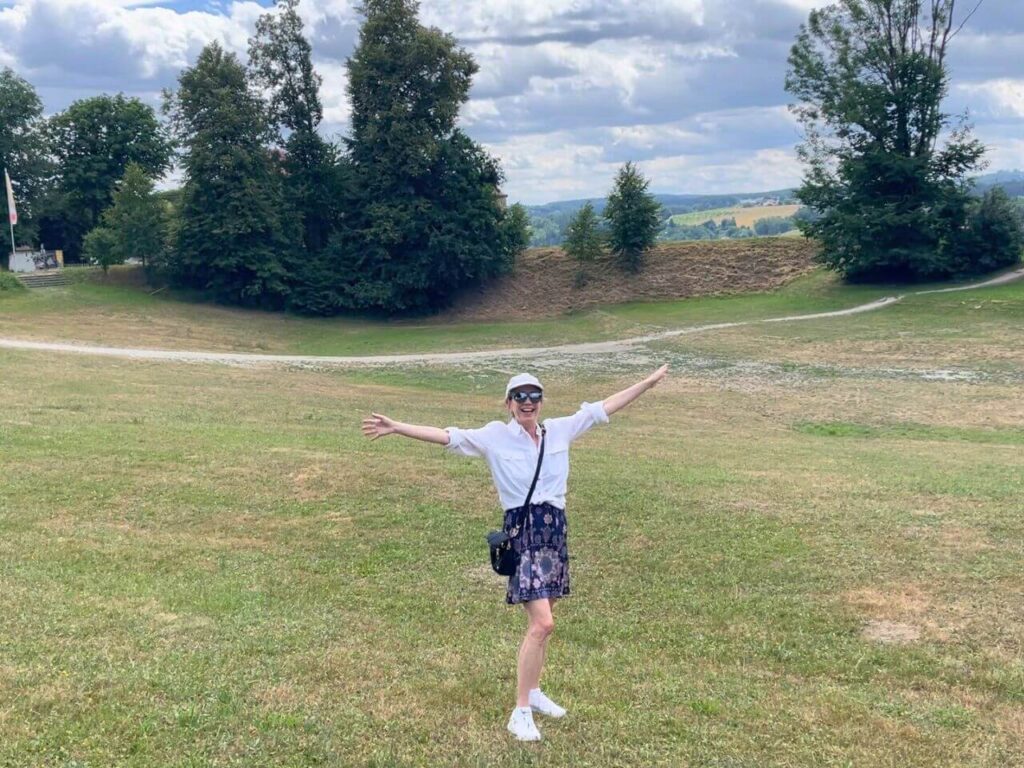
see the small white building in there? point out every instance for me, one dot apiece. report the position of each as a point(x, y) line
point(25, 259)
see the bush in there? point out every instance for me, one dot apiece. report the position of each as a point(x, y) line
point(9, 283)
point(993, 237)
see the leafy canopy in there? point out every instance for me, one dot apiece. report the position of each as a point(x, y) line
point(230, 240)
point(22, 148)
point(93, 141)
point(870, 76)
point(281, 67)
point(423, 218)
point(136, 217)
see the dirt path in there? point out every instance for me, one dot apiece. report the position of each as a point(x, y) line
point(591, 348)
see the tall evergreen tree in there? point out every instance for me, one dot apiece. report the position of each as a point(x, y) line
point(425, 219)
point(230, 239)
point(93, 142)
point(632, 215)
point(280, 61)
point(994, 235)
point(23, 150)
point(583, 240)
point(871, 76)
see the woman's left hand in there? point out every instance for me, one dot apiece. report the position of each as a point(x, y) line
point(657, 376)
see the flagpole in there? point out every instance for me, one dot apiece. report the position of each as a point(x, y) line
point(10, 219)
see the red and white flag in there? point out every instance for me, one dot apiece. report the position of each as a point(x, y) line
point(12, 211)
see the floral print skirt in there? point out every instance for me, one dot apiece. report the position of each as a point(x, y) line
point(543, 552)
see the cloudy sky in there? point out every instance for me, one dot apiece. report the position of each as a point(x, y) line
point(567, 89)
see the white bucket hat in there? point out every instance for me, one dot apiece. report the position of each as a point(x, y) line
point(522, 380)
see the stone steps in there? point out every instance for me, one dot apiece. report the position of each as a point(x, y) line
point(46, 279)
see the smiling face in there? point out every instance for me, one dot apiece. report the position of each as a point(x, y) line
point(524, 410)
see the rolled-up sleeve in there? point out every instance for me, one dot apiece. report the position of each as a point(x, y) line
point(589, 415)
point(466, 442)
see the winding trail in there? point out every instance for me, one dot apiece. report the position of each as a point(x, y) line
point(590, 348)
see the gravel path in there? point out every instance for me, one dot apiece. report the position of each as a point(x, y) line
point(592, 348)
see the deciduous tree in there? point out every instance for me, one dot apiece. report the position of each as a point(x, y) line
point(136, 217)
point(22, 149)
point(870, 76)
point(93, 141)
point(100, 247)
point(281, 65)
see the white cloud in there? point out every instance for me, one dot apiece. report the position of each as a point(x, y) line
point(567, 89)
point(1002, 97)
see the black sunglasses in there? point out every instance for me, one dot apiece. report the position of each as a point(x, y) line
point(522, 397)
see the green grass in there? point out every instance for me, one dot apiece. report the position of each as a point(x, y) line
point(977, 329)
point(208, 565)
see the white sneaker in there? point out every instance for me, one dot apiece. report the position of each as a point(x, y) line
point(541, 703)
point(521, 725)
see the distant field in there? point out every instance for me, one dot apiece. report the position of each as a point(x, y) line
point(745, 216)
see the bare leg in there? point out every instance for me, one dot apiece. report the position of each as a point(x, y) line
point(544, 657)
point(531, 652)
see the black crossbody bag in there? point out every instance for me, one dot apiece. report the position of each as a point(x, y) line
point(503, 557)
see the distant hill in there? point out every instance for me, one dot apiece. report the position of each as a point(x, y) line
point(548, 221)
point(1011, 181)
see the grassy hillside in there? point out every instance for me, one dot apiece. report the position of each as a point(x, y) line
point(524, 308)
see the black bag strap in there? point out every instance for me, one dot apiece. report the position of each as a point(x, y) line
point(540, 460)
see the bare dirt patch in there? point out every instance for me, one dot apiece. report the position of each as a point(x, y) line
point(905, 614)
point(544, 281)
point(890, 632)
point(963, 540)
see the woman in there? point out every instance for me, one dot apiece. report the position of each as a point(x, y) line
point(512, 450)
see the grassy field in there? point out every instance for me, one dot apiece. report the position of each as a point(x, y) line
point(802, 550)
point(745, 216)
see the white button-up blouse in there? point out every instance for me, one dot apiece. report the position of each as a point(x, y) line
point(512, 455)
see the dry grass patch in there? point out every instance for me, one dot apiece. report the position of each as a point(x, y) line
point(906, 614)
point(544, 283)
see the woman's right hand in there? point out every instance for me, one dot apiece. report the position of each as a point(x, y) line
point(378, 425)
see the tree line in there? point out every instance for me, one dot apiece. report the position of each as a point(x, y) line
point(406, 211)
point(397, 217)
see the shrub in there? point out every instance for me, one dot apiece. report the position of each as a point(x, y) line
point(9, 283)
point(101, 247)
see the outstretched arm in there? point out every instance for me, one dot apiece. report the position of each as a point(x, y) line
point(620, 400)
point(379, 425)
